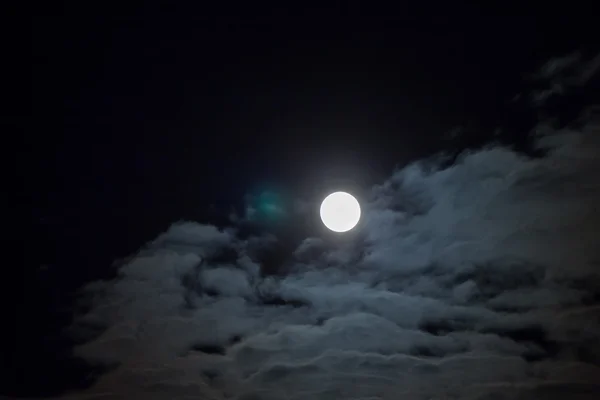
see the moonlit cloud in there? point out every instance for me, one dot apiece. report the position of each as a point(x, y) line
point(476, 281)
point(562, 74)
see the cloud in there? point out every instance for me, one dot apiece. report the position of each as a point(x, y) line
point(477, 280)
point(563, 74)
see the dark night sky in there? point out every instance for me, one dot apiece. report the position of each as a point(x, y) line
point(137, 110)
point(152, 116)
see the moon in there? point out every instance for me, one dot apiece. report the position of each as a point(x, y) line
point(340, 212)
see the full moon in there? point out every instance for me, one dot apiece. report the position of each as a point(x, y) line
point(340, 211)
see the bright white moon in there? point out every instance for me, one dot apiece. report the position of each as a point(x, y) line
point(340, 211)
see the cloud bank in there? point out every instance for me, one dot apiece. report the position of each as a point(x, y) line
point(479, 280)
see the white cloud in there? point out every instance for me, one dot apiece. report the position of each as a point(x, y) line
point(476, 281)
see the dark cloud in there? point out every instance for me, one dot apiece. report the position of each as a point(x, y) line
point(562, 74)
point(474, 280)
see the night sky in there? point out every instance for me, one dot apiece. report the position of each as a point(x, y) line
point(147, 117)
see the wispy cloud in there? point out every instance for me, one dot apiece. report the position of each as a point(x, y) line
point(564, 73)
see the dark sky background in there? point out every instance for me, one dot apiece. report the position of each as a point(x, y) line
point(146, 117)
